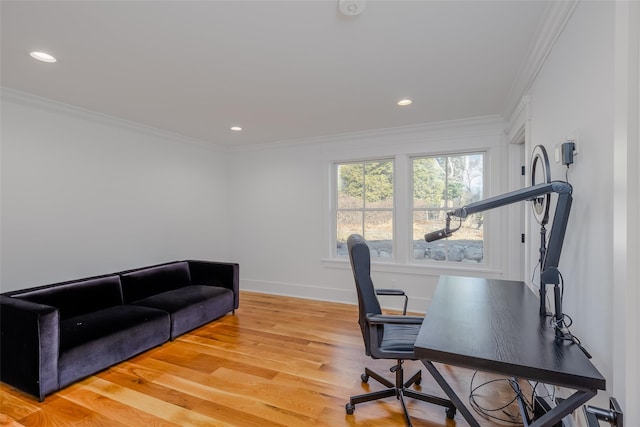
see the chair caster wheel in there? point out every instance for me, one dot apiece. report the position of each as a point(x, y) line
point(451, 413)
point(364, 378)
point(349, 408)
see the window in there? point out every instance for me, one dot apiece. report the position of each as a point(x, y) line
point(365, 205)
point(440, 184)
point(394, 202)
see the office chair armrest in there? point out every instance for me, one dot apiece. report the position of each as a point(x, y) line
point(398, 292)
point(395, 292)
point(390, 319)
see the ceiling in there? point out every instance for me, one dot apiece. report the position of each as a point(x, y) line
point(282, 70)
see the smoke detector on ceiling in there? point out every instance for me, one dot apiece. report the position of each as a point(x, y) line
point(351, 7)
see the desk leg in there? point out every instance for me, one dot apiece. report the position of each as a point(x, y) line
point(460, 406)
point(567, 406)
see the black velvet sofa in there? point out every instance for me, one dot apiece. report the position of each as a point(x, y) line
point(54, 335)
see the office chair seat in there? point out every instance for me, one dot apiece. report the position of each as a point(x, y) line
point(399, 338)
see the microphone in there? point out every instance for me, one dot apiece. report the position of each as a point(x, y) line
point(437, 235)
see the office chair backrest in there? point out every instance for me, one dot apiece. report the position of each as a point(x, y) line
point(361, 266)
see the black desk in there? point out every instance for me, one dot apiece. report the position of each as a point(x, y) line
point(494, 326)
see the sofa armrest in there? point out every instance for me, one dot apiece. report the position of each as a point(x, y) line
point(29, 338)
point(222, 274)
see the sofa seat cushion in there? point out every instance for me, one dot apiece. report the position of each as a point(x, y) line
point(191, 306)
point(95, 341)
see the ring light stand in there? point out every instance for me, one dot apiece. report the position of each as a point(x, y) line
point(540, 206)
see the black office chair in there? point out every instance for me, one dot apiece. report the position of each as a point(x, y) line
point(385, 336)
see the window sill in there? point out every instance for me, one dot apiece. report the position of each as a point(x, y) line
point(421, 269)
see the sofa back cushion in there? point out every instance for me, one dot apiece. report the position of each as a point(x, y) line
point(148, 281)
point(77, 297)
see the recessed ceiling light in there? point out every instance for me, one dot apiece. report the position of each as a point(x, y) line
point(405, 102)
point(236, 128)
point(42, 56)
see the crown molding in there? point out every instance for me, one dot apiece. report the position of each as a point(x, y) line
point(555, 18)
point(448, 129)
point(516, 124)
point(32, 100)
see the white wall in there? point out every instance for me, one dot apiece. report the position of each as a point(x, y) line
point(86, 195)
point(281, 205)
point(574, 92)
point(626, 204)
point(277, 218)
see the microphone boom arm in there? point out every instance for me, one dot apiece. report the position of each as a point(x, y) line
point(549, 273)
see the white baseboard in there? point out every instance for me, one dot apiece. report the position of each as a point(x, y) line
point(416, 304)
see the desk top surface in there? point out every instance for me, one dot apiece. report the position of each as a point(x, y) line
point(494, 326)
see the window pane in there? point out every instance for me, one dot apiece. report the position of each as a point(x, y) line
point(428, 183)
point(426, 222)
point(350, 186)
point(364, 205)
point(466, 244)
point(464, 179)
point(440, 184)
point(378, 231)
point(378, 180)
point(378, 225)
point(348, 223)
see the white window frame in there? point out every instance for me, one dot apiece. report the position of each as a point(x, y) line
point(335, 209)
point(411, 208)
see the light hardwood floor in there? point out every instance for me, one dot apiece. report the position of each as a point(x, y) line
point(278, 361)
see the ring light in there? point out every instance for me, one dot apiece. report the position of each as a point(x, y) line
point(540, 204)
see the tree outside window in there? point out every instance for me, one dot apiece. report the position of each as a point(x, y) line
point(365, 205)
point(440, 184)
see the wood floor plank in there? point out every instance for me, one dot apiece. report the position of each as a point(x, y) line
point(279, 361)
point(15, 405)
point(7, 421)
point(151, 405)
point(61, 412)
point(116, 412)
point(210, 389)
